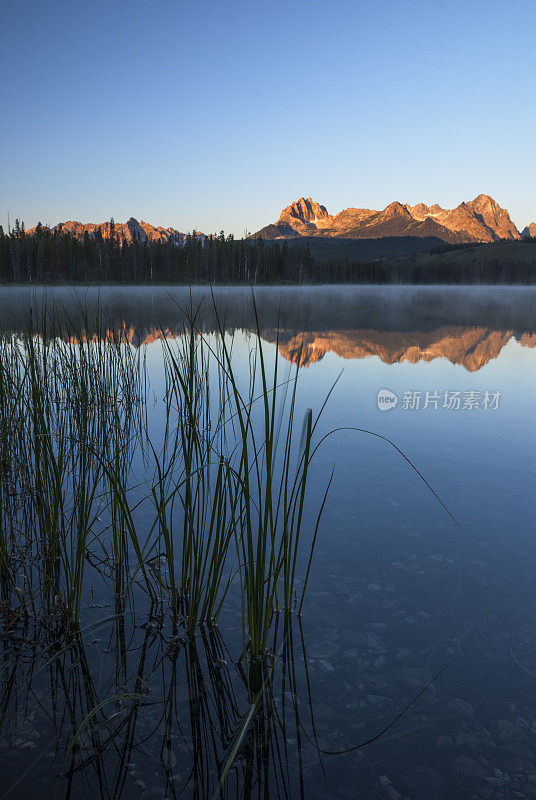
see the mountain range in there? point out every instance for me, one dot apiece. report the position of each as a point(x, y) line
point(131, 230)
point(479, 220)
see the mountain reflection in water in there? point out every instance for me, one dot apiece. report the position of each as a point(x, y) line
point(473, 348)
point(469, 326)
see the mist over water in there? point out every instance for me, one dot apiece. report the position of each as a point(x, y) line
point(308, 308)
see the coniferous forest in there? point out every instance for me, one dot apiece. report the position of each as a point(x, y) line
point(55, 257)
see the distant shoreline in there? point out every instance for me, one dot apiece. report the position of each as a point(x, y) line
point(63, 259)
point(269, 285)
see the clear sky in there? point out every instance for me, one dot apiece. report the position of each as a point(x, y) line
point(215, 115)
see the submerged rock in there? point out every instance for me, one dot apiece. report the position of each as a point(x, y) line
point(324, 666)
point(414, 677)
point(374, 643)
point(460, 707)
point(378, 701)
point(509, 731)
point(351, 639)
point(464, 765)
point(425, 782)
point(383, 683)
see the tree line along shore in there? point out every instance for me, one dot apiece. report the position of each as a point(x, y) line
point(52, 256)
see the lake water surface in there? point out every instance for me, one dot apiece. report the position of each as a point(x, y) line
point(401, 595)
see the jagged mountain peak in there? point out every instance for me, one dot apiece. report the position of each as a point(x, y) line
point(420, 208)
point(484, 201)
point(497, 219)
point(478, 220)
point(397, 208)
point(305, 209)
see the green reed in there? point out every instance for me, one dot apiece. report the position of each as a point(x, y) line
point(222, 487)
point(65, 399)
point(196, 489)
point(273, 474)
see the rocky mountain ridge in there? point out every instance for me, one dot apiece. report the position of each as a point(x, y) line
point(478, 220)
point(131, 230)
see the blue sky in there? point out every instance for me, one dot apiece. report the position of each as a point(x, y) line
point(217, 114)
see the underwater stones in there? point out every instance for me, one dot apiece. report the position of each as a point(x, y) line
point(325, 616)
point(414, 677)
point(351, 655)
point(323, 650)
point(474, 740)
point(519, 751)
point(460, 707)
point(383, 683)
point(353, 639)
point(379, 701)
point(424, 782)
point(498, 780)
point(501, 775)
point(324, 666)
point(389, 789)
point(392, 794)
point(374, 643)
point(464, 765)
point(509, 731)
point(443, 741)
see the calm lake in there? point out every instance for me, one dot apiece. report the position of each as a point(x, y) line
point(405, 592)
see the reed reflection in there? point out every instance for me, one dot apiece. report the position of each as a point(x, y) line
point(157, 704)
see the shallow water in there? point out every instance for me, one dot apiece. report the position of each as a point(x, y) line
point(398, 592)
